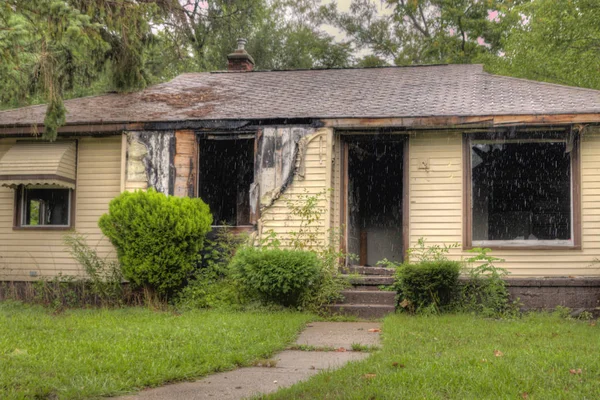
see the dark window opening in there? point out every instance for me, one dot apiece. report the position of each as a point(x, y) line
point(375, 200)
point(521, 190)
point(45, 207)
point(226, 171)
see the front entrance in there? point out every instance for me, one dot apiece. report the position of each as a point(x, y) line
point(374, 189)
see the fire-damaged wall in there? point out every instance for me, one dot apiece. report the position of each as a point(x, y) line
point(280, 155)
point(150, 161)
point(308, 173)
point(163, 160)
point(289, 163)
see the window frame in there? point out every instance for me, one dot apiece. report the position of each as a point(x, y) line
point(468, 189)
point(243, 135)
point(18, 212)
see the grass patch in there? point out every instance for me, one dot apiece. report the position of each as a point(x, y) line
point(310, 347)
point(466, 357)
point(364, 347)
point(91, 353)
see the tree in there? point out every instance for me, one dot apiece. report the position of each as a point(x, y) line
point(423, 31)
point(556, 41)
point(49, 47)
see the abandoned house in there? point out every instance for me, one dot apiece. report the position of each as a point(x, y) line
point(448, 153)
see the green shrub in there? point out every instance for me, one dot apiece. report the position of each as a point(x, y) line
point(158, 238)
point(484, 291)
point(427, 284)
point(212, 285)
point(277, 275)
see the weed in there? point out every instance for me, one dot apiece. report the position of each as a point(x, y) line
point(364, 348)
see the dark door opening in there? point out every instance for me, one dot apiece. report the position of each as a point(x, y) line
point(226, 171)
point(375, 191)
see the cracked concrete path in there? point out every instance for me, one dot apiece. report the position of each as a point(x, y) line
point(292, 365)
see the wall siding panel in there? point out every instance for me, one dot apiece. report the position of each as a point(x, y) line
point(43, 252)
point(317, 179)
point(436, 208)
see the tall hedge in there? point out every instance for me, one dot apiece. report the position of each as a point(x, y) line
point(158, 238)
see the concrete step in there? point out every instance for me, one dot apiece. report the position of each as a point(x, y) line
point(371, 280)
point(353, 269)
point(378, 297)
point(367, 311)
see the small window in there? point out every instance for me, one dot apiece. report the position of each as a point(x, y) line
point(521, 190)
point(44, 207)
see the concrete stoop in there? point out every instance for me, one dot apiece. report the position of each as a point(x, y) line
point(367, 298)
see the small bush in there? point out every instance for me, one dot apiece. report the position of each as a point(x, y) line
point(158, 238)
point(104, 277)
point(212, 285)
point(276, 275)
point(484, 291)
point(427, 284)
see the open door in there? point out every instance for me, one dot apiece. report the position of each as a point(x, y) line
point(374, 190)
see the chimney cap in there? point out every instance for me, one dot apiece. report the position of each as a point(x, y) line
point(241, 43)
point(240, 60)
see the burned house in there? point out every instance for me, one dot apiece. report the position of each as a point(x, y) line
point(448, 153)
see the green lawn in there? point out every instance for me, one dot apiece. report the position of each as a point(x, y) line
point(453, 357)
point(88, 353)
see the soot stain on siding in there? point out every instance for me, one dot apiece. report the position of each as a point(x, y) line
point(158, 161)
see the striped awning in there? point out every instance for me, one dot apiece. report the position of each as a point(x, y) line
point(27, 163)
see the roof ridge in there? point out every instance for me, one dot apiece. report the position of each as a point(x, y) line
point(337, 68)
point(514, 78)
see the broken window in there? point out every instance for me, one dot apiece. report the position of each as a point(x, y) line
point(521, 188)
point(226, 171)
point(45, 207)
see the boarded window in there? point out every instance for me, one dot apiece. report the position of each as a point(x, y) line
point(521, 190)
point(226, 171)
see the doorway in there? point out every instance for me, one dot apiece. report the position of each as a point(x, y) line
point(374, 179)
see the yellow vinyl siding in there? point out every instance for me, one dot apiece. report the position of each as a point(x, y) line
point(98, 181)
point(317, 179)
point(436, 212)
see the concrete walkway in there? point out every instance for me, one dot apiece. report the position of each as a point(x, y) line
point(292, 365)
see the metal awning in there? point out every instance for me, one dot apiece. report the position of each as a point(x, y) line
point(27, 163)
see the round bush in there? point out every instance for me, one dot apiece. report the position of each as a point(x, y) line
point(277, 275)
point(158, 238)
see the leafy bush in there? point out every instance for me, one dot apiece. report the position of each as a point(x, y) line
point(485, 290)
point(275, 275)
point(104, 277)
point(212, 285)
point(427, 284)
point(158, 238)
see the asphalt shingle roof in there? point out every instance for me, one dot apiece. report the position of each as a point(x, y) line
point(419, 91)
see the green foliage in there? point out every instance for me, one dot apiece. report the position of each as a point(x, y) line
point(104, 278)
point(427, 284)
point(278, 276)
point(308, 210)
point(212, 285)
point(50, 47)
point(158, 238)
point(485, 290)
point(422, 31)
point(552, 40)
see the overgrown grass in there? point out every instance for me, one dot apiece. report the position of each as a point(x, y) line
point(96, 352)
point(466, 357)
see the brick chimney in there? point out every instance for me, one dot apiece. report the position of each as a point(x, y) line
point(240, 60)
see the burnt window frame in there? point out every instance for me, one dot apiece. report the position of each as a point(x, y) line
point(573, 139)
point(19, 207)
point(225, 136)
